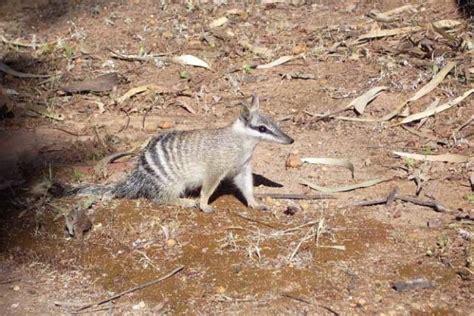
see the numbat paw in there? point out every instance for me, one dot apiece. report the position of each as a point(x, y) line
point(258, 206)
point(206, 208)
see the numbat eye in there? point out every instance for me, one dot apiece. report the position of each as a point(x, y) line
point(262, 129)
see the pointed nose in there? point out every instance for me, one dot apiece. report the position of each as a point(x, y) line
point(291, 141)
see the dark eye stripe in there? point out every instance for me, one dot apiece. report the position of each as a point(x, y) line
point(258, 130)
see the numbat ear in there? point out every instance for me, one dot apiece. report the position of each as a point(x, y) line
point(255, 104)
point(245, 113)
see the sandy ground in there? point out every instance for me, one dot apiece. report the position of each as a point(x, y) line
point(313, 256)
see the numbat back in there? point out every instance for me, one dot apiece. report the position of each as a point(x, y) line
point(175, 162)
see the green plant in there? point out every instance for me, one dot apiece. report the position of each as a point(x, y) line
point(77, 175)
point(247, 68)
point(470, 197)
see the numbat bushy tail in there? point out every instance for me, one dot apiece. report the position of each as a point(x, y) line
point(175, 162)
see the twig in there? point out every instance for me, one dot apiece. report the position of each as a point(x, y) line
point(391, 196)
point(10, 280)
point(319, 117)
point(299, 227)
point(308, 236)
point(126, 124)
point(254, 220)
point(67, 132)
point(294, 196)
point(458, 129)
point(7, 69)
point(145, 115)
point(145, 57)
point(136, 288)
point(27, 45)
point(437, 206)
point(302, 300)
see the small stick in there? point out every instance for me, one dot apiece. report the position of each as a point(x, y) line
point(308, 302)
point(136, 288)
point(10, 280)
point(294, 196)
point(307, 237)
point(67, 132)
point(391, 196)
point(463, 125)
point(300, 226)
point(437, 206)
point(254, 220)
point(128, 121)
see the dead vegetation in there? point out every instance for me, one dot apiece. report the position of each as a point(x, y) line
point(383, 90)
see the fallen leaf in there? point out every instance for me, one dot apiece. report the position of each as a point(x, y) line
point(455, 158)
point(332, 162)
point(218, 22)
point(279, 61)
point(438, 109)
point(343, 188)
point(434, 82)
point(186, 106)
point(148, 87)
point(446, 24)
point(337, 247)
point(430, 86)
point(361, 102)
point(130, 93)
point(399, 10)
point(191, 61)
point(388, 32)
point(101, 83)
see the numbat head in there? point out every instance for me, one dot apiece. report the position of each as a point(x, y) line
point(176, 162)
point(255, 125)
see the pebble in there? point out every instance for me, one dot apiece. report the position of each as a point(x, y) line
point(139, 306)
point(171, 243)
point(293, 161)
point(220, 290)
point(361, 302)
point(304, 205)
point(16, 288)
point(165, 124)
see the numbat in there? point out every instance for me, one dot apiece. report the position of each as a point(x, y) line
point(179, 161)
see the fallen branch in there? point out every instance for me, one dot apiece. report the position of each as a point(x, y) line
point(309, 303)
point(254, 220)
point(12, 72)
point(294, 196)
point(437, 206)
point(136, 288)
point(27, 45)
